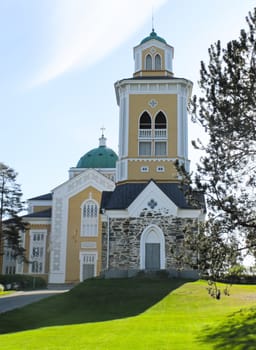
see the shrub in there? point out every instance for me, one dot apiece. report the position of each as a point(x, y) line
point(22, 282)
point(1, 288)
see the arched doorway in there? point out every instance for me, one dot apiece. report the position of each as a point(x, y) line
point(152, 249)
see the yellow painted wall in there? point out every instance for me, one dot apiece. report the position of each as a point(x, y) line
point(137, 105)
point(134, 171)
point(153, 73)
point(167, 103)
point(74, 238)
point(38, 208)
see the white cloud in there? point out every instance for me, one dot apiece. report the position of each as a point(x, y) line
point(84, 31)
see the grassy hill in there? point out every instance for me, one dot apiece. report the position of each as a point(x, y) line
point(135, 314)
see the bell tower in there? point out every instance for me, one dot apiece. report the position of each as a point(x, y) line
point(153, 129)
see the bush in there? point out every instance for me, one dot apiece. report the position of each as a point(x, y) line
point(237, 270)
point(237, 274)
point(1, 288)
point(22, 282)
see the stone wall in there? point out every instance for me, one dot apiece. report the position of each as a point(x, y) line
point(125, 234)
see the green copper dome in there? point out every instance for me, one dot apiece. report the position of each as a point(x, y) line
point(152, 36)
point(99, 158)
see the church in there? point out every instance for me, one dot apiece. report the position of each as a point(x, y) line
point(118, 214)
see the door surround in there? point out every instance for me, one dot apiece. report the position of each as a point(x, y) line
point(152, 234)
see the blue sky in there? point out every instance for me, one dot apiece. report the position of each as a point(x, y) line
point(59, 60)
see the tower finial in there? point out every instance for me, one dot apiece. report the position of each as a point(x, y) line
point(153, 19)
point(102, 131)
point(102, 139)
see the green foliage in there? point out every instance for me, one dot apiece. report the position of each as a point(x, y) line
point(23, 281)
point(10, 207)
point(226, 111)
point(237, 270)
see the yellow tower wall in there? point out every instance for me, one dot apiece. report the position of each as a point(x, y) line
point(138, 103)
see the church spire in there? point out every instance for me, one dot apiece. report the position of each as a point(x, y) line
point(102, 139)
point(153, 19)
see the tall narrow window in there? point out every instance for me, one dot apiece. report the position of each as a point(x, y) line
point(158, 65)
point(160, 126)
point(148, 62)
point(37, 250)
point(9, 261)
point(160, 121)
point(89, 219)
point(145, 128)
point(145, 121)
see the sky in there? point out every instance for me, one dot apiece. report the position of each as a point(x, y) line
point(59, 60)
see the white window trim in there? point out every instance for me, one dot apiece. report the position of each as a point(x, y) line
point(82, 234)
point(160, 169)
point(153, 61)
point(95, 261)
point(20, 265)
point(152, 137)
point(31, 234)
point(144, 169)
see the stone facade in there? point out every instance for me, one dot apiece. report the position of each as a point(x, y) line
point(125, 240)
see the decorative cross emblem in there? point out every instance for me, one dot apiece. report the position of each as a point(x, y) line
point(153, 103)
point(152, 203)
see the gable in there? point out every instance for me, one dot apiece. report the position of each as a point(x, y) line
point(88, 178)
point(152, 198)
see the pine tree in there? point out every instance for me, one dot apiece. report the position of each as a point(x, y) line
point(226, 110)
point(11, 224)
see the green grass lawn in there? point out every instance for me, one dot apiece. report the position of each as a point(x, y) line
point(135, 314)
point(2, 294)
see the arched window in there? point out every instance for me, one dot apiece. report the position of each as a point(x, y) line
point(160, 121)
point(158, 65)
point(148, 62)
point(152, 135)
point(160, 134)
point(145, 134)
point(89, 219)
point(145, 121)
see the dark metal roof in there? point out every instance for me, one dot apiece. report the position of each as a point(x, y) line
point(44, 197)
point(125, 194)
point(47, 213)
point(122, 196)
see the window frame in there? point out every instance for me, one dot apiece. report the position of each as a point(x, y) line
point(157, 67)
point(158, 134)
point(147, 67)
point(37, 242)
point(91, 228)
